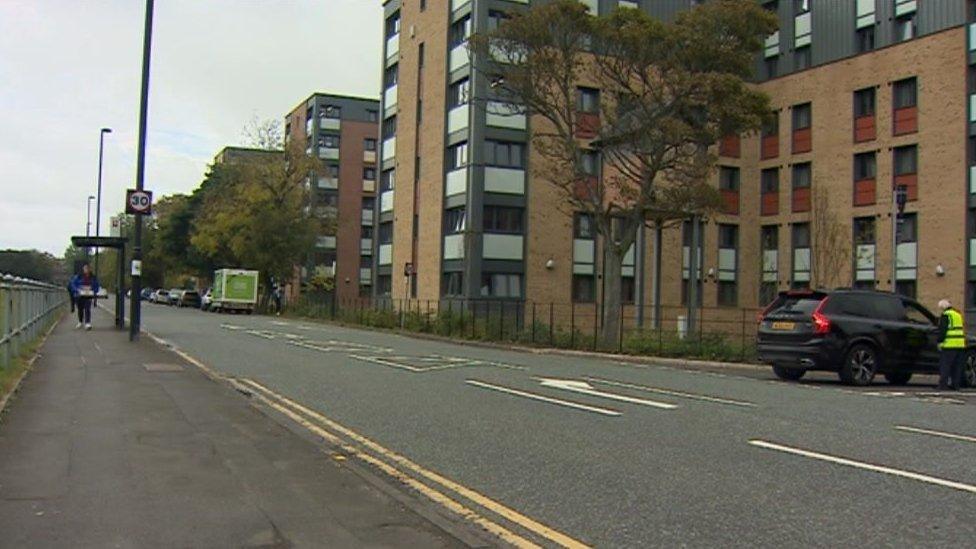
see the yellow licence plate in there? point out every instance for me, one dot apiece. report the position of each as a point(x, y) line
point(784, 325)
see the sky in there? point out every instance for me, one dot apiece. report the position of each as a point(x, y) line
point(69, 68)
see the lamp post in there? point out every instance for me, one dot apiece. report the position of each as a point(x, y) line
point(88, 223)
point(98, 200)
point(135, 310)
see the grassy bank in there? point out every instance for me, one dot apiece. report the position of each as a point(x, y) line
point(10, 377)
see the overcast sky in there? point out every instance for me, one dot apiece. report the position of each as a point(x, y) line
point(69, 68)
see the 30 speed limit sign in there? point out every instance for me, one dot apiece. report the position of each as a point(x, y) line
point(138, 202)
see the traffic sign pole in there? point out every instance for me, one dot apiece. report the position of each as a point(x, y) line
point(135, 307)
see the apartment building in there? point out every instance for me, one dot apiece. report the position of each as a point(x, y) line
point(871, 96)
point(342, 131)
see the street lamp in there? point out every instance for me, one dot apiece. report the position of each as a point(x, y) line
point(88, 223)
point(98, 201)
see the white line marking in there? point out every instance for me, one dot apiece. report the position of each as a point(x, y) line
point(550, 400)
point(417, 370)
point(942, 434)
point(866, 466)
point(585, 388)
point(669, 392)
point(97, 348)
point(261, 333)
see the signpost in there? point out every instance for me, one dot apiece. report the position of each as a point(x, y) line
point(138, 202)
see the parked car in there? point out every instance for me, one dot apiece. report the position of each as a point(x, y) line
point(206, 300)
point(174, 296)
point(160, 296)
point(146, 294)
point(856, 333)
point(189, 298)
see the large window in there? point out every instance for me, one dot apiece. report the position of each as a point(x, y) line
point(505, 285)
point(504, 154)
point(588, 100)
point(865, 166)
point(802, 116)
point(728, 178)
point(453, 283)
point(459, 93)
point(457, 156)
point(864, 102)
point(500, 219)
point(768, 284)
point(728, 243)
point(454, 220)
point(905, 93)
point(801, 255)
point(906, 160)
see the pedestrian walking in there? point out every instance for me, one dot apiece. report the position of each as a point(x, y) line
point(952, 347)
point(277, 295)
point(84, 287)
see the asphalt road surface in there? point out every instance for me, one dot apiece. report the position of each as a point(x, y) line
point(554, 450)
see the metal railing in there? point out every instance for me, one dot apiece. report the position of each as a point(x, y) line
point(26, 309)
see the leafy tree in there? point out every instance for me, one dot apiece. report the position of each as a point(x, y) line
point(31, 264)
point(668, 92)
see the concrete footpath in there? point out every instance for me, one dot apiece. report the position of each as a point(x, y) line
point(114, 444)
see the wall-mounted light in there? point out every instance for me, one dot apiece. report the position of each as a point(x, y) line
point(711, 272)
point(550, 264)
point(939, 270)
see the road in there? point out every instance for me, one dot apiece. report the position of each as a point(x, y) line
point(555, 449)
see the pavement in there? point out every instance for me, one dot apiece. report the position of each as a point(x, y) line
point(551, 450)
point(114, 444)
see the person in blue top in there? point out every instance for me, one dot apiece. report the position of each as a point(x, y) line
point(84, 288)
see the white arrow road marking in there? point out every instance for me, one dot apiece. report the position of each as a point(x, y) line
point(585, 388)
point(942, 434)
point(866, 466)
point(542, 398)
point(669, 392)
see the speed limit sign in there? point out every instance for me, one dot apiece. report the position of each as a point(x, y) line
point(138, 202)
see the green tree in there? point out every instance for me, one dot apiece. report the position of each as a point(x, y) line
point(668, 92)
point(31, 264)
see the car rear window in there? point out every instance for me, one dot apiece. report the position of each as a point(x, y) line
point(190, 293)
point(803, 304)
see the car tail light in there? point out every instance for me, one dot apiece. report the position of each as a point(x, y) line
point(821, 324)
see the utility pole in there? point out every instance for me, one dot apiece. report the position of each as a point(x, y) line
point(693, 273)
point(135, 305)
point(899, 195)
point(98, 200)
point(639, 290)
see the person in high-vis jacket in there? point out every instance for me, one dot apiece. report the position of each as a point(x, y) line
point(952, 347)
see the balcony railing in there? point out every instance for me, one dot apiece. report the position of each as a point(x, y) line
point(328, 183)
point(454, 246)
point(367, 217)
point(386, 201)
point(329, 123)
point(366, 246)
point(502, 246)
point(457, 182)
point(504, 115)
point(385, 254)
point(389, 149)
point(328, 153)
point(504, 180)
point(458, 4)
point(327, 242)
point(459, 56)
point(393, 46)
point(457, 119)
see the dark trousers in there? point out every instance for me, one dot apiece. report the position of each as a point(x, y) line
point(950, 367)
point(84, 305)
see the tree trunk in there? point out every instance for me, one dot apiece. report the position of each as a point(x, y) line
point(612, 268)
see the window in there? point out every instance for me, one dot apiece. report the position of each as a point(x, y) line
point(728, 242)
point(584, 288)
point(393, 26)
point(457, 156)
point(496, 18)
point(460, 32)
point(686, 239)
point(384, 283)
point(332, 170)
point(802, 175)
point(801, 255)
point(583, 226)
point(372, 115)
point(369, 144)
point(728, 178)
point(369, 202)
point(500, 219)
point(769, 181)
point(906, 160)
point(388, 180)
point(391, 76)
point(588, 100)
point(329, 199)
point(386, 233)
point(771, 126)
point(772, 66)
point(864, 102)
point(459, 93)
point(803, 58)
point(455, 220)
point(332, 111)
point(905, 28)
point(769, 242)
point(801, 6)
point(908, 228)
point(423, 5)
point(591, 163)
point(501, 285)
point(905, 93)
point(802, 116)
point(864, 39)
point(453, 283)
point(865, 166)
point(504, 154)
point(329, 141)
point(389, 127)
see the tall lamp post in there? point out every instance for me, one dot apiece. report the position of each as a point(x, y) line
point(88, 223)
point(98, 201)
point(135, 307)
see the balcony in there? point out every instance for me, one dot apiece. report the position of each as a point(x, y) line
point(458, 4)
point(457, 119)
point(329, 123)
point(367, 217)
point(972, 37)
point(459, 57)
point(329, 153)
point(502, 246)
point(308, 126)
point(386, 201)
point(504, 180)
point(972, 180)
point(802, 30)
point(457, 182)
point(504, 115)
point(369, 157)
point(390, 100)
point(389, 149)
point(328, 183)
point(366, 246)
point(454, 246)
point(392, 46)
point(972, 106)
point(385, 255)
point(327, 242)
point(369, 186)
point(772, 45)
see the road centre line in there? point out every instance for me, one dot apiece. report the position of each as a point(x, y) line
point(543, 398)
point(669, 392)
point(866, 466)
point(942, 434)
point(585, 388)
point(323, 423)
point(407, 367)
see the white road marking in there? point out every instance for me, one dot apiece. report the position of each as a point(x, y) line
point(231, 327)
point(942, 434)
point(97, 348)
point(261, 333)
point(543, 398)
point(585, 388)
point(670, 392)
point(389, 361)
point(866, 466)
point(280, 323)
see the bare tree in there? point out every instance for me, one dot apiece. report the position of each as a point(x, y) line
point(830, 241)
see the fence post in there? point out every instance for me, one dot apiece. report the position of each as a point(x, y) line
point(4, 327)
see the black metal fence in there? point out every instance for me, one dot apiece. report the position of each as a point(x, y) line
point(725, 333)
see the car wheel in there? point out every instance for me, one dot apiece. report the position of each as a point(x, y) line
point(898, 378)
point(860, 365)
point(969, 370)
point(788, 374)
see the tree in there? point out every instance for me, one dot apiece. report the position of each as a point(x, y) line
point(33, 264)
point(261, 217)
point(668, 92)
point(830, 241)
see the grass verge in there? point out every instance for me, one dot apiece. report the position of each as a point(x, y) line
point(11, 376)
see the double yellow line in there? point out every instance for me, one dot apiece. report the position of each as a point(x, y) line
point(408, 472)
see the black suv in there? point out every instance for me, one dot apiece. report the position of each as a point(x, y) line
point(856, 333)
